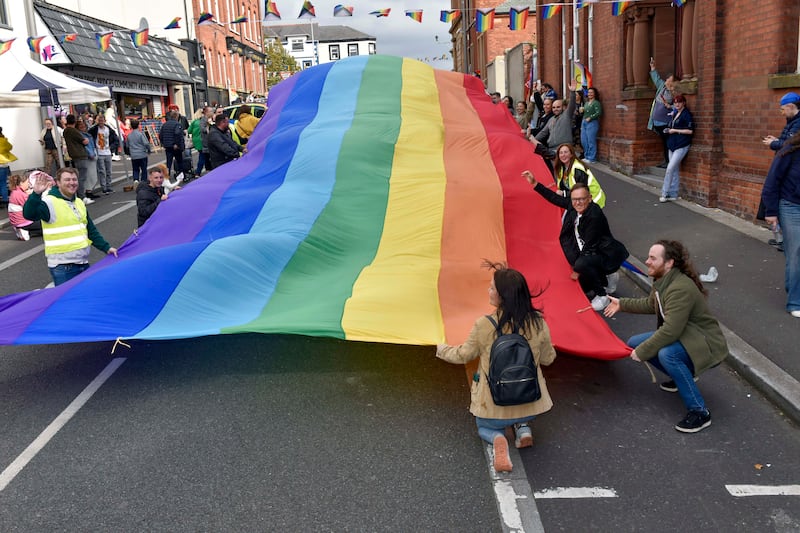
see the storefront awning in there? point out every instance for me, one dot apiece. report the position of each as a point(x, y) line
point(155, 60)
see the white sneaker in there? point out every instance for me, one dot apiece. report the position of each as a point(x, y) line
point(613, 281)
point(600, 302)
point(88, 201)
point(663, 199)
point(795, 314)
point(115, 158)
point(22, 234)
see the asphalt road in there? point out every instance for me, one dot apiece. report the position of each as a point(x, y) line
point(287, 433)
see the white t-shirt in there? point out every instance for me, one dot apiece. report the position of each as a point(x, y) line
point(102, 141)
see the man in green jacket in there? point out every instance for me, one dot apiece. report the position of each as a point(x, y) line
point(688, 340)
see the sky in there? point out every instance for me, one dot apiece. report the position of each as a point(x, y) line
point(396, 34)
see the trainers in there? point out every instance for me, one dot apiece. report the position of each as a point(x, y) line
point(600, 302)
point(663, 199)
point(523, 436)
point(502, 461)
point(613, 281)
point(795, 313)
point(669, 386)
point(694, 422)
point(88, 201)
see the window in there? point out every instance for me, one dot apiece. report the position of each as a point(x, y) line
point(352, 49)
point(3, 14)
point(333, 52)
point(372, 49)
point(306, 64)
point(297, 45)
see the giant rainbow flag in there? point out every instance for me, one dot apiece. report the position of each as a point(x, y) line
point(371, 192)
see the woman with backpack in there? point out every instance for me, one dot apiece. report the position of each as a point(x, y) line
point(510, 295)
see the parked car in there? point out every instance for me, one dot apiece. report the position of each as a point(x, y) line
point(232, 111)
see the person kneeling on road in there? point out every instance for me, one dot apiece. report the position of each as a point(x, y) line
point(586, 239)
point(688, 340)
point(67, 228)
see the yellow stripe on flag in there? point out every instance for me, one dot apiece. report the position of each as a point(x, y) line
point(399, 289)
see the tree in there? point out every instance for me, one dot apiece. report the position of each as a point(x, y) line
point(280, 65)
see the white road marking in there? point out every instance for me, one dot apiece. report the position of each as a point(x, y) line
point(60, 421)
point(575, 492)
point(763, 490)
point(507, 501)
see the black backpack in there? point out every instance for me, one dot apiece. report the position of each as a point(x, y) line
point(512, 378)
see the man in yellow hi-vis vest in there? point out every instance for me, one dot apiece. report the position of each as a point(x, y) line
point(67, 229)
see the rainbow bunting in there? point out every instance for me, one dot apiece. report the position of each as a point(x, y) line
point(517, 18)
point(205, 18)
point(342, 11)
point(5, 46)
point(103, 40)
point(175, 24)
point(679, 3)
point(551, 10)
point(484, 20)
point(307, 11)
point(140, 37)
point(414, 14)
point(381, 12)
point(272, 12)
point(449, 16)
point(395, 181)
point(240, 20)
point(68, 37)
point(617, 8)
point(35, 44)
point(581, 75)
point(582, 3)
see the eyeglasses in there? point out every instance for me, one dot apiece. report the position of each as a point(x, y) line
point(580, 200)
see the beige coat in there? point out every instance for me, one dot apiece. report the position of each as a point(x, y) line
point(478, 344)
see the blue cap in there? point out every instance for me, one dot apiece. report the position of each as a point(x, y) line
point(790, 98)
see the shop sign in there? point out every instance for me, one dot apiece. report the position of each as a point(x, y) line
point(122, 85)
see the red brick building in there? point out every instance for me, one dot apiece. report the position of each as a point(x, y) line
point(482, 48)
point(734, 60)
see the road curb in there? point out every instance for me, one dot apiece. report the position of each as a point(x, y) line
point(771, 380)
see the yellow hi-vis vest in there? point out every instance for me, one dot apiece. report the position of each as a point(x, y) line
point(68, 232)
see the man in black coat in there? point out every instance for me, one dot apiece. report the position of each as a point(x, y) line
point(586, 239)
point(221, 146)
point(172, 139)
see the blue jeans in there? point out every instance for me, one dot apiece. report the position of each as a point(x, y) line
point(64, 273)
point(789, 218)
point(4, 173)
point(139, 169)
point(201, 162)
point(489, 428)
point(589, 139)
point(672, 177)
point(673, 360)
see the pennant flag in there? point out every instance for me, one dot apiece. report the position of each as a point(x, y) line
point(381, 12)
point(307, 11)
point(517, 18)
point(140, 37)
point(239, 20)
point(205, 18)
point(68, 37)
point(618, 7)
point(679, 3)
point(175, 24)
point(5, 46)
point(582, 75)
point(342, 11)
point(551, 10)
point(35, 43)
point(414, 14)
point(449, 16)
point(484, 20)
point(582, 3)
point(339, 237)
point(103, 40)
point(272, 12)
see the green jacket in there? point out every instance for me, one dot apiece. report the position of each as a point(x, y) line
point(684, 317)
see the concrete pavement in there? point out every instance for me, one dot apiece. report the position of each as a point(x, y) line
point(748, 298)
